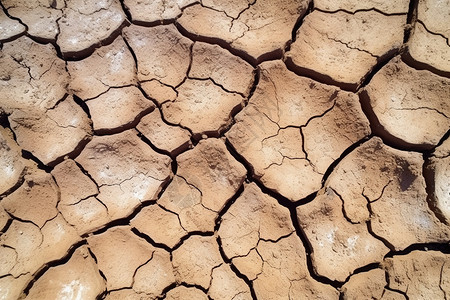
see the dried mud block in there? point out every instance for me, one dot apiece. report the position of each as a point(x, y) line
point(9, 28)
point(285, 274)
point(126, 169)
point(339, 246)
point(342, 48)
point(35, 247)
point(327, 137)
point(86, 24)
point(35, 200)
point(367, 285)
point(392, 295)
point(39, 16)
point(172, 139)
point(219, 65)
point(118, 108)
point(429, 49)
point(4, 218)
point(260, 29)
point(73, 184)
point(419, 274)
point(12, 165)
point(155, 276)
point(11, 288)
point(119, 253)
point(32, 77)
point(162, 53)
point(78, 278)
point(202, 106)
point(257, 234)
point(186, 293)
point(207, 178)
point(437, 173)
point(386, 187)
point(86, 215)
point(400, 96)
point(252, 217)
point(51, 135)
point(109, 66)
point(267, 132)
point(387, 7)
point(158, 91)
point(125, 294)
point(160, 225)
point(434, 14)
point(227, 286)
point(195, 260)
point(155, 11)
point(186, 201)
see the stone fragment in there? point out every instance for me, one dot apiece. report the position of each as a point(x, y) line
point(4, 218)
point(156, 275)
point(155, 11)
point(73, 184)
point(342, 48)
point(215, 63)
point(32, 77)
point(172, 139)
point(162, 53)
point(185, 293)
point(400, 95)
point(367, 285)
point(9, 28)
point(12, 166)
point(260, 29)
point(79, 278)
point(124, 106)
point(386, 186)
point(35, 200)
point(160, 225)
point(114, 67)
point(126, 169)
point(195, 260)
point(339, 247)
point(202, 106)
point(257, 234)
point(85, 216)
point(119, 253)
point(387, 7)
point(438, 171)
point(54, 134)
point(85, 25)
point(268, 131)
point(420, 274)
point(39, 16)
point(227, 286)
point(253, 216)
point(391, 295)
point(36, 247)
point(429, 49)
point(158, 91)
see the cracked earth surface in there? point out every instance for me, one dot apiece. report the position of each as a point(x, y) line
point(242, 149)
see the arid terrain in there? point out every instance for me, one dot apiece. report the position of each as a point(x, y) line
point(224, 149)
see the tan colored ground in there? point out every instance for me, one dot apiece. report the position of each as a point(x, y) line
point(224, 149)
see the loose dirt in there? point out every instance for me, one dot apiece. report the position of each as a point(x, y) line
point(212, 149)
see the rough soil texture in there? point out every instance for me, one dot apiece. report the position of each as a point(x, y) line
point(212, 149)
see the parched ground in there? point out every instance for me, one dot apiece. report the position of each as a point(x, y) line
point(224, 149)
